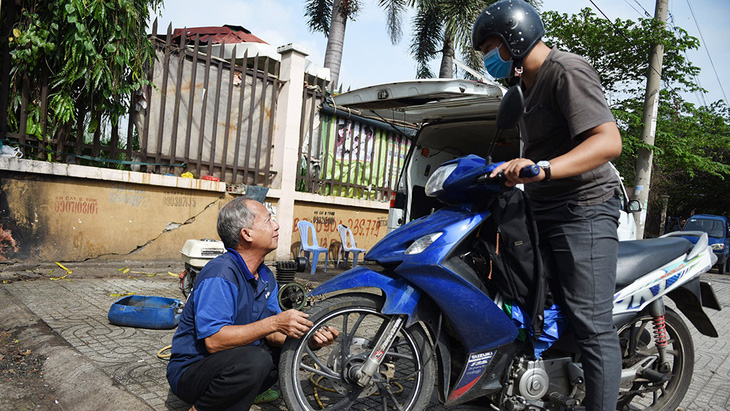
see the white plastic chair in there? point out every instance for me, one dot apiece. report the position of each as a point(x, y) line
point(311, 248)
point(345, 232)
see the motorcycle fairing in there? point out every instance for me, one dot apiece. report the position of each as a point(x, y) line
point(482, 375)
point(391, 249)
point(475, 366)
point(400, 297)
point(481, 323)
point(639, 294)
point(690, 298)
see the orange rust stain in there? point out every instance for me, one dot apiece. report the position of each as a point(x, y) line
point(7, 242)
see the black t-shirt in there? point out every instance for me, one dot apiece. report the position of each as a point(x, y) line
point(565, 100)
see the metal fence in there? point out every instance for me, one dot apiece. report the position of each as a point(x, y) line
point(346, 155)
point(201, 114)
point(212, 117)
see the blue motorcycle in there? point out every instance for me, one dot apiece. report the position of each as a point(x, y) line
point(425, 316)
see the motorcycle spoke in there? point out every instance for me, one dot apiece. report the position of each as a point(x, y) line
point(321, 372)
point(385, 389)
point(323, 369)
point(401, 356)
point(348, 336)
point(345, 403)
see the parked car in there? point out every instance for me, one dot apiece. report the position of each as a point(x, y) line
point(455, 118)
point(718, 231)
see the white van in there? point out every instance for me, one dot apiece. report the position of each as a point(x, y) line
point(455, 118)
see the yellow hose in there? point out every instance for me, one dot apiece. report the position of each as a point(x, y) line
point(162, 356)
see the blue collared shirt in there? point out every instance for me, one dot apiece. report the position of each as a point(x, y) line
point(225, 293)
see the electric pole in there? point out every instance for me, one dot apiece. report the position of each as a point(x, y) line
point(651, 108)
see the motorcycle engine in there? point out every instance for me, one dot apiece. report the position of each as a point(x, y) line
point(544, 383)
point(533, 381)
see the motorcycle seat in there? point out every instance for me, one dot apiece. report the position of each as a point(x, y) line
point(640, 257)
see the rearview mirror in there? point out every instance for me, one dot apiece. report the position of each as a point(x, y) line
point(511, 108)
point(509, 114)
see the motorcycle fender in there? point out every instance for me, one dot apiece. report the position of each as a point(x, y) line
point(400, 297)
point(689, 300)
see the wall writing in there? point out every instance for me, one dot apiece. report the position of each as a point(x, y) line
point(178, 199)
point(127, 196)
point(368, 227)
point(76, 205)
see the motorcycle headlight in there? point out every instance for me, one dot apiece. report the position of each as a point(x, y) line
point(435, 183)
point(718, 246)
point(422, 243)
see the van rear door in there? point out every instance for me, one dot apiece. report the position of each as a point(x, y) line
point(455, 117)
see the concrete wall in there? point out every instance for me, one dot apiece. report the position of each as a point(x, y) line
point(49, 214)
point(60, 212)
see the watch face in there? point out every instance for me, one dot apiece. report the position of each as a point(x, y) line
point(543, 164)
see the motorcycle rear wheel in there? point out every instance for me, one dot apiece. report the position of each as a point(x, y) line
point(323, 379)
point(644, 394)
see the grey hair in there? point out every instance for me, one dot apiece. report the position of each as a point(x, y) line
point(232, 218)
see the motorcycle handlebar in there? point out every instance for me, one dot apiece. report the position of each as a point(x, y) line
point(526, 172)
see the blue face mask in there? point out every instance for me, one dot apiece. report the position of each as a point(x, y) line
point(496, 67)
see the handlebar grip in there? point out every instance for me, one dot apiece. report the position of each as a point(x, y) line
point(530, 171)
point(526, 172)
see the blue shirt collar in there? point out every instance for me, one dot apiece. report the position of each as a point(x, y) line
point(244, 268)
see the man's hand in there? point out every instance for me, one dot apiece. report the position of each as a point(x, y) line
point(292, 323)
point(324, 336)
point(511, 170)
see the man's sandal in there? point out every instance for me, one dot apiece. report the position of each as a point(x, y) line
point(266, 397)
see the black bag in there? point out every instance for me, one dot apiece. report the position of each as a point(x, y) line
point(511, 241)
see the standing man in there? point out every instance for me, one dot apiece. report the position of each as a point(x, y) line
point(225, 350)
point(570, 133)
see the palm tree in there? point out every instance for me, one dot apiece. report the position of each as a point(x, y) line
point(330, 17)
point(444, 26)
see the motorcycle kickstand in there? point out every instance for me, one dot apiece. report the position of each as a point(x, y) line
point(376, 356)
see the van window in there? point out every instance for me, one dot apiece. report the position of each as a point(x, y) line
point(713, 228)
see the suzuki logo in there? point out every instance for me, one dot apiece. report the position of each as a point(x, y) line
point(383, 94)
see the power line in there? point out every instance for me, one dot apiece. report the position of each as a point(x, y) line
point(698, 93)
point(632, 6)
point(702, 99)
point(646, 12)
point(623, 35)
point(706, 49)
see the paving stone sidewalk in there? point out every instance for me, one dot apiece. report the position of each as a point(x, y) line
point(76, 310)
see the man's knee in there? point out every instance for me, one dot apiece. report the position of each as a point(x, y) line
point(252, 360)
point(261, 361)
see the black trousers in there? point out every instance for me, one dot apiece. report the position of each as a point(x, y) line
point(230, 379)
point(580, 246)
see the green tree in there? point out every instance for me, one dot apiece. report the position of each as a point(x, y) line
point(692, 144)
point(330, 18)
point(91, 54)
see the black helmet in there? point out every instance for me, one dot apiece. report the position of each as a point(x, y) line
point(516, 22)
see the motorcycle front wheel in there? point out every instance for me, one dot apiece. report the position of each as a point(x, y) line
point(648, 392)
point(323, 379)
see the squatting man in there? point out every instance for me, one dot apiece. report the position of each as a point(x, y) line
point(226, 348)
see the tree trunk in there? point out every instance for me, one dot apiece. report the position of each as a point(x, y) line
point(447, 60)
point(335, 42)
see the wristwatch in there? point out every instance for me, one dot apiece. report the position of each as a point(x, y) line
point(545, 166)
